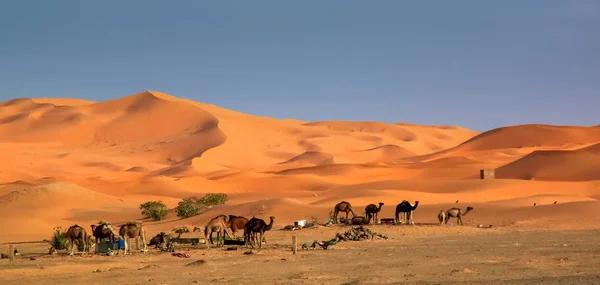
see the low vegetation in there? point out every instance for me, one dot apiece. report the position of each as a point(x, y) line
point(156, 210)
point(192, 206)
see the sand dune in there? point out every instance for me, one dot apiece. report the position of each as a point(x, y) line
point(559, 165)
point(78, 161)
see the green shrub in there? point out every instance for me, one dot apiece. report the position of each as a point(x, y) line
point(188, 207)
point(192, 206)
point(156, 210)
point(213, 199)
point(59, 240)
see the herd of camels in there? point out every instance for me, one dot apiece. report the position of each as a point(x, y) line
point(404, 213)
point(253, 229)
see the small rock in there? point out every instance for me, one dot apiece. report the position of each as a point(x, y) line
point(32, 258)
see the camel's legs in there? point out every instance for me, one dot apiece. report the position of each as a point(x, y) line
point(459, 220)
point(143, 238)
point(260, 240)
point(71, 242)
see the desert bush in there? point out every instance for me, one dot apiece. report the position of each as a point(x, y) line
point(213, 199)
point(156, 210)
point(59, 240)
point(192, 206)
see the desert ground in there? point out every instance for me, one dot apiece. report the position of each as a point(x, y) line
point(70, 161)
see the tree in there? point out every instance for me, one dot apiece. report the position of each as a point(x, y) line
point(156, 210)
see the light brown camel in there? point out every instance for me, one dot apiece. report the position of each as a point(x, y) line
point(342, 207)
point(372, 210)
point(133, 230)
point(77, 232)
point(442, 216)
point(217, 224)
point(456, 213)
point(236, 224)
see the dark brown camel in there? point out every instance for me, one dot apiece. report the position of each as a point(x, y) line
point(342, 207)
point(372, 210)
point(456, 213)
point(77, 232)
point(407, 209)
point(360, 220)
point(236, 224)
point(254, 227)
point(132, 230)
point(102, 231)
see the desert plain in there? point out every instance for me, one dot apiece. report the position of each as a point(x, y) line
point(71, 161)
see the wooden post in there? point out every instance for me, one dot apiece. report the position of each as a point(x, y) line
point(294, 244)
point(11, 252)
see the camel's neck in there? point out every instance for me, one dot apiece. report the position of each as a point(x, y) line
point(415, 206)
point(269, 226)
point(466, 212)
point(379, 209)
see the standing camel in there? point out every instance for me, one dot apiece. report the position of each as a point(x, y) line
point(102, 231)
point(342, 207)
point(371, 211)
point(236, 224)
point(217, 224)
point(442, 216)
point(254, 227)
point(456, 213)
point(77, 232)
point(132, 230)
point(407, 209)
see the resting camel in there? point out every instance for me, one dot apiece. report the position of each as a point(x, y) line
point(77, 232)
point(132, 230)
point(342, 207)
point(407, 209)
point(371, 211)
point(360, 220)
point(256, 226)
point(457, 213)
point(236, 224)
point(217, 224)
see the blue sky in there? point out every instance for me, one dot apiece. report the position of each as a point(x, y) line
point(478, 64)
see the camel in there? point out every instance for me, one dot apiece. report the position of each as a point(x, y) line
point(442, 216)
point(256, 226)
point(158, 239)
point(360, 220)
point(456, 213)
point(407, 209)
point(77, 232)
point(132, 230)
point(217, 224)
point(103, 230)
point(371, 211)
point(236, 224)
point(197, 229)
point(342, 207)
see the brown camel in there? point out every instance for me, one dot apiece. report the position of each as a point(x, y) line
point(456, 213)
point(342, 207)
point(254, 227)
point(77, 232)
point(197, 229)
point(102, 231)
point(133, 230)
point(407, 209)
point(359, 220)
point(217, 224)
point(372, 210)
point(236, 224)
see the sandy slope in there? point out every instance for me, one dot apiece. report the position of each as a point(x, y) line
point(75, 161)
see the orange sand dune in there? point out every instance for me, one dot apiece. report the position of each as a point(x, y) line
point(72, 161)
point(559, 165)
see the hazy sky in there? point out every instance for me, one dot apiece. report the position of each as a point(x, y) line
point(478, 64)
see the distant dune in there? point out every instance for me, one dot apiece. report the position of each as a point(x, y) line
point(69, 161)
point(557, 165)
